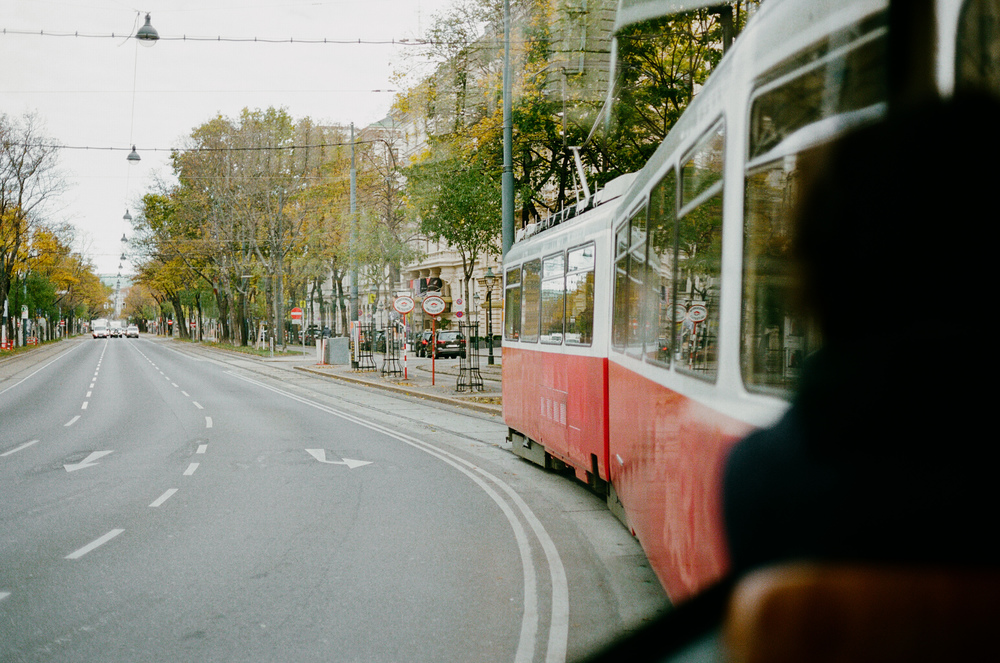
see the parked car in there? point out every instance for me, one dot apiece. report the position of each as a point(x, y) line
point(450, 344)
point(422, 343)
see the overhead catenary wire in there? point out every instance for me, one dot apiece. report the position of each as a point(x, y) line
point(405, 41)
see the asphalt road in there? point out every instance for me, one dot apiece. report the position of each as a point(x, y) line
point(161, 502)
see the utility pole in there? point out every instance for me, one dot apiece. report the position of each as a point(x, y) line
point(507, 179)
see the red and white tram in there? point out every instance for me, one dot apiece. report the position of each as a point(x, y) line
point(652, 328)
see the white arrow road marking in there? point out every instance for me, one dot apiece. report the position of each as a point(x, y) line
point(14, 451)
point(89, 461)
point(94, 544)
point(320, 455)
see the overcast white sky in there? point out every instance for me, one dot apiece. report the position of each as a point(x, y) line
point(82, 88)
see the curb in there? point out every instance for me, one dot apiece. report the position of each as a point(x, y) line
point(483, 408)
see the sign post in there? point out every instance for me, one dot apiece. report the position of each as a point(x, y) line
point(296, 314)
point(433, 306)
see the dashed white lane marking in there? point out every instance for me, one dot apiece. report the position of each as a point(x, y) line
point(72, 421)
point(208, 422)
point(174, 383)
point(84, 406)
point(191, 468)
point(198, 405)
point(4, 595)
point(202, 448)
point(185, 393)
point(25, 446)
point(163, 498)
point(89, 394)
point(94, 544)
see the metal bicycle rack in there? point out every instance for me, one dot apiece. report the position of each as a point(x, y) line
point(468, 366)
point(393, 341)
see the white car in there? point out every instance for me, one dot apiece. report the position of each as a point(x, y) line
point(132, 332)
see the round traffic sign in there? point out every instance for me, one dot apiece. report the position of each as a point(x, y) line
point(697, 313)
point(433, 305)
point(403, 304)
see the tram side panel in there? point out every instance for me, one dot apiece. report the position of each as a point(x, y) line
point(667, 453)
point(558, 401)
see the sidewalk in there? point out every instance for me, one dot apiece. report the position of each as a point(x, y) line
point(418, 381)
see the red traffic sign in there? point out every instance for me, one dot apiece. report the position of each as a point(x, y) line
point(433, 305)
point(296, 313)
point(403, 304)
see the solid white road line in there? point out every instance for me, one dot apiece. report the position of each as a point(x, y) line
point(559, 615)
point(14, 451)
point(163, 498)
point(190, 470)
point(63, 354)
point(94, 544)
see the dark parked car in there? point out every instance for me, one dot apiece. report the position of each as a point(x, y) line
point(450, 344)
point(422, 342)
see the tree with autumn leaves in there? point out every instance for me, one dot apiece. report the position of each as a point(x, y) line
point(38, 266)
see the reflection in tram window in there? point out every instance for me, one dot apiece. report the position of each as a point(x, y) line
point(531, 291)
point(775, 339)
point(789, 105)
point(636, 279)
point(659, 296)
point(704, 167)
point(580, 296)
point(512, 305)
point(553, 298)
point(699, 256)
point(699, 275)
point(977, 53)
point(619, 316)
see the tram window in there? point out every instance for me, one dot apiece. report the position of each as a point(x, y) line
point(703, 168)
point(636, 279)
point(512, 305)
point(619, 318)
point(580, 296)
point(977, 52)
point(699, 272)
point(775, 339)
point(841, 82)
point(531, 290)
point(553, 298)
point(659, 296)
